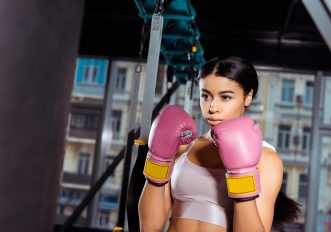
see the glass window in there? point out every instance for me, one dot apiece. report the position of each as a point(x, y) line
point(83, 163)
point(91, 122)
point(84, 121)
point(103, 218)
point(287, 95)
point(77, 121)
point(306, 138)
point(95, 74)
point(86, 73)
point(284, 137)
point(116, 122)
point(90, 74)
point(302, 186)
point(309, 93)
point(120, 79)
point(326, 101)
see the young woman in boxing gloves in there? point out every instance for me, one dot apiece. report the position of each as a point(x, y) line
point(226, 180)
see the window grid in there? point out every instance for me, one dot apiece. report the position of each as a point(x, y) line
point(284, 132)
point(306, 139)
point(90, 75)
point(120, 79)
point(287, 92)
point(84, 121)
point(309, 92)
point(83, 163)
point(116, 122)
point(103, 218)
point(302, 186)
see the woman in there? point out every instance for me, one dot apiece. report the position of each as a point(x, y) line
point(197, 189)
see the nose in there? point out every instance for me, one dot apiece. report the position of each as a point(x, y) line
point(214, 106)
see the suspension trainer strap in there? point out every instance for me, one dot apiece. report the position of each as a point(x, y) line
point(151, 73)
point(137, 179)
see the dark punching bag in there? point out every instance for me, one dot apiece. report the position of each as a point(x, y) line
point(137, 182)
point(38, 46)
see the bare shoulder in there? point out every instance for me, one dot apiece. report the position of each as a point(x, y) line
point(181, 150)
point(270, 160)
point(271, 171)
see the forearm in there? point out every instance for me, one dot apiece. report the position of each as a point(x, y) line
point(152, 210)
point(246, 217)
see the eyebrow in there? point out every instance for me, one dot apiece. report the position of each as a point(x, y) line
point(221, 92)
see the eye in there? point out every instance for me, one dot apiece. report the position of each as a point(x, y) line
point(205, 97)
point(225, 97)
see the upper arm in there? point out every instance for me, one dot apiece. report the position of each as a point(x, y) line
point(271, 176)
point(152, 197)
point(167, 200)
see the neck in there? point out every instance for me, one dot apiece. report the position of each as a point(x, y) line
point(207, 136)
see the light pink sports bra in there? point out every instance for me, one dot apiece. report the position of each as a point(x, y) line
point(200, 193)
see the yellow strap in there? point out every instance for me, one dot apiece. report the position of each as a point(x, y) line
point(118, 229)
point(139, 142)
point(156, 171)
point(241, 185)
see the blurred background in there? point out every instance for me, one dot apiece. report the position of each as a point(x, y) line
point(75, 90)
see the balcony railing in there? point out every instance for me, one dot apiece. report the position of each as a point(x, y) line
point(82, 133)
point(76, 178)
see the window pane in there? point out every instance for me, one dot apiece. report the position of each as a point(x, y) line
point(86, 73)
point(302, 186)
point(284, 136)
point(120, 78)
point(116, 122)
point(306, 139)
point(326, 101)
point(309, 93)
point(83, 163)
point(280, 139)
point(95, 75)
point(287, 91)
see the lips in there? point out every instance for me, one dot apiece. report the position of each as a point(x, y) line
point(213, 121)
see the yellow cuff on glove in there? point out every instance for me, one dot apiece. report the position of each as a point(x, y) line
point(241, 185)
point(156, 171)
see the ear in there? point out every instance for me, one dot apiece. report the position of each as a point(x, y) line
point(249, 98)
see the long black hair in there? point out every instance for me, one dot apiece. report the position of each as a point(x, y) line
point(286, 210)
point(244, 73)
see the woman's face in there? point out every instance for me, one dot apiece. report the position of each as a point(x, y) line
point(222, 99)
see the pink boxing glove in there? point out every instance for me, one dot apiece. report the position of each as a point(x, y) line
point(170, 129)
point(239, 142)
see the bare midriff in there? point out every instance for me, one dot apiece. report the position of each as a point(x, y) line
point(183, 224)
